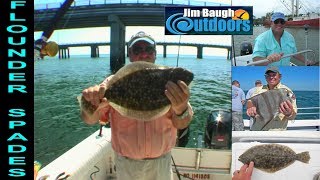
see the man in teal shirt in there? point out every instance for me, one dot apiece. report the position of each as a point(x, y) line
point(275, 43)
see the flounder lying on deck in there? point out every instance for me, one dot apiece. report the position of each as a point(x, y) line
point(267, 105)
point(137, 89)
point(272, 157)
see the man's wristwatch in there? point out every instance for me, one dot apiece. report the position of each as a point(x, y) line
point(184, 114)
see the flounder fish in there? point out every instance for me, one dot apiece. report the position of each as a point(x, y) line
point(137, 89)
point(272, 157)
point(267, 106)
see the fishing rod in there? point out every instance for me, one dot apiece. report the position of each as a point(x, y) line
point(178, 51)
point(285, 56)
point(233, 52)
point(174, 164)
point(184, 131)
point(47, 32)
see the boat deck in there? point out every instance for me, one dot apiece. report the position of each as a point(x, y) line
point(303, 125)
point(93, 158)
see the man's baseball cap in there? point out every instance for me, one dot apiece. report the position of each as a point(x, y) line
point(258, 82)
point(277, 15)
point(141, 36)
point(272, 69)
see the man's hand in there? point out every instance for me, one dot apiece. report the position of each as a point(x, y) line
point(94, 105)
point(244, 173)
point(286, 108)
point(179, 95)
point(309, 62)
point(252, 112)
point(94, 94)
point(274, 57)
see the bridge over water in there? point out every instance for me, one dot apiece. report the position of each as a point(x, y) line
point(116, 14)
point(64, 51)
point(95, 13)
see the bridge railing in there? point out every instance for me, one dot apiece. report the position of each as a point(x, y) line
point(38, 6)
point(169, 43)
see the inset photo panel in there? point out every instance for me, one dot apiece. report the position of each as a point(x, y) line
point(283, 35)
point(275, 122)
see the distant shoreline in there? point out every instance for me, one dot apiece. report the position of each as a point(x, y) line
point(158, 56)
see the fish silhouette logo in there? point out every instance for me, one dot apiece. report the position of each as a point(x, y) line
point(241, 14)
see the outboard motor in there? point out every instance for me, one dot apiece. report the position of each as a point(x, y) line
point(245, 48)
point(218, 130)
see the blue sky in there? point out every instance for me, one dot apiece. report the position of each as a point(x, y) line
point(260, 7)
point(296, 78)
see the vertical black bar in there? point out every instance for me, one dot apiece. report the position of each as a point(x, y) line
point(16, 63)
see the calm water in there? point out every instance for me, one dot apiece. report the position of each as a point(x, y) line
point(58, 126)
point(298, 33)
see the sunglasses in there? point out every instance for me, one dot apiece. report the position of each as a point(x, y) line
point(270, 75)
point(138, 50)
point(279, 21)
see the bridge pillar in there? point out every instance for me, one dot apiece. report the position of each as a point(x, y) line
point(199, 52)
point(94, 51)
point(164, 51)
point(229, 54)
point(117, 43)
point(127, 50)
point(59, 53)
point(92, 54)
point(63, 53)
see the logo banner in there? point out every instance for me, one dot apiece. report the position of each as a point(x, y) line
point(208, 20)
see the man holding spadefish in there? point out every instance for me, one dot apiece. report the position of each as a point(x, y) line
point(287, 109)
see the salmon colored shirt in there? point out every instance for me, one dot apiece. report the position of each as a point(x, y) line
point(140, 139)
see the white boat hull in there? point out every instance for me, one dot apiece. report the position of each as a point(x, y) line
point(79, 161)
point(94, 157)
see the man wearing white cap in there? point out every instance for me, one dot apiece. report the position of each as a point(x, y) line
point(275, 43)
point(258, 83)
point(142, 148)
